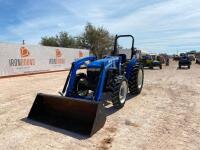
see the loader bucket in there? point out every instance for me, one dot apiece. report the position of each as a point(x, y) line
point(76, 115)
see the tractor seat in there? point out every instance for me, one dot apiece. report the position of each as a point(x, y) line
point(123, 58)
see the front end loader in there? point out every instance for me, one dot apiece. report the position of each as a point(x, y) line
point(80, 106)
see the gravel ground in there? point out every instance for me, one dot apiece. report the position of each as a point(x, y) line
point(166, 115)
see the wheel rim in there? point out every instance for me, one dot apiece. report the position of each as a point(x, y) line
point(123, 91)
point(140, 79)
point(82, 87)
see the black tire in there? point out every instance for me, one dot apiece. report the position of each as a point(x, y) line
point(134, 88)
point(81, 85)
point(116, 85)
point(161, 66)
point(179, 66)
point(188, 66)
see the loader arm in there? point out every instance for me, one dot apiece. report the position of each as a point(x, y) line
point(113, 64)
point(72, 74)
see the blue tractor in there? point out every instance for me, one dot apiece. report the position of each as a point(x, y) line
point(80, 106)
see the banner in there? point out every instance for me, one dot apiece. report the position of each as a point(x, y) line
point(18, 59)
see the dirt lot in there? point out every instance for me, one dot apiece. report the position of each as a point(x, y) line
point(165, 116)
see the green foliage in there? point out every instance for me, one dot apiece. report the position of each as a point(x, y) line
point(49, 41)
point(65, 40)
point(97, 39)
point(61, 40)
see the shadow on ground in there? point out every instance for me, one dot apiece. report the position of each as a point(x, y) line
point(183, 68)
point(109, 110)
point(49, 127)
point(152, 69)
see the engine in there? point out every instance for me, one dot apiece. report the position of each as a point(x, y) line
point(93, 75)
point(94, 71)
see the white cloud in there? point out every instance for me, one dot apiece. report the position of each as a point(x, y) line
point(162, 22)
point(158, 25)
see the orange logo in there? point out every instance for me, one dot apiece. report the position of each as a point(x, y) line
point(24, 52)
point(80, 54)
point(58, 53)
point(58, 60)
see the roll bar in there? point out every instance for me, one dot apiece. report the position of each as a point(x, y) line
point(115, 52)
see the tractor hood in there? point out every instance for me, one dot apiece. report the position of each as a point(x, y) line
point(104, 61)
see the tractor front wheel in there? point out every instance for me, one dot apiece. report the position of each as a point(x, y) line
point(136, 80)
point(81, 85)
point(119, 91)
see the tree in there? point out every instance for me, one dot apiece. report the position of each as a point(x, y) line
point(65, 40)
point(49, 41)
point(98, 40)
point(61, 40)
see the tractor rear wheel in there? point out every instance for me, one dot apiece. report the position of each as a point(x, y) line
point(136, 80)
point(119, 91)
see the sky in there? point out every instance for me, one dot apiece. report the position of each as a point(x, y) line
point(157, 25)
